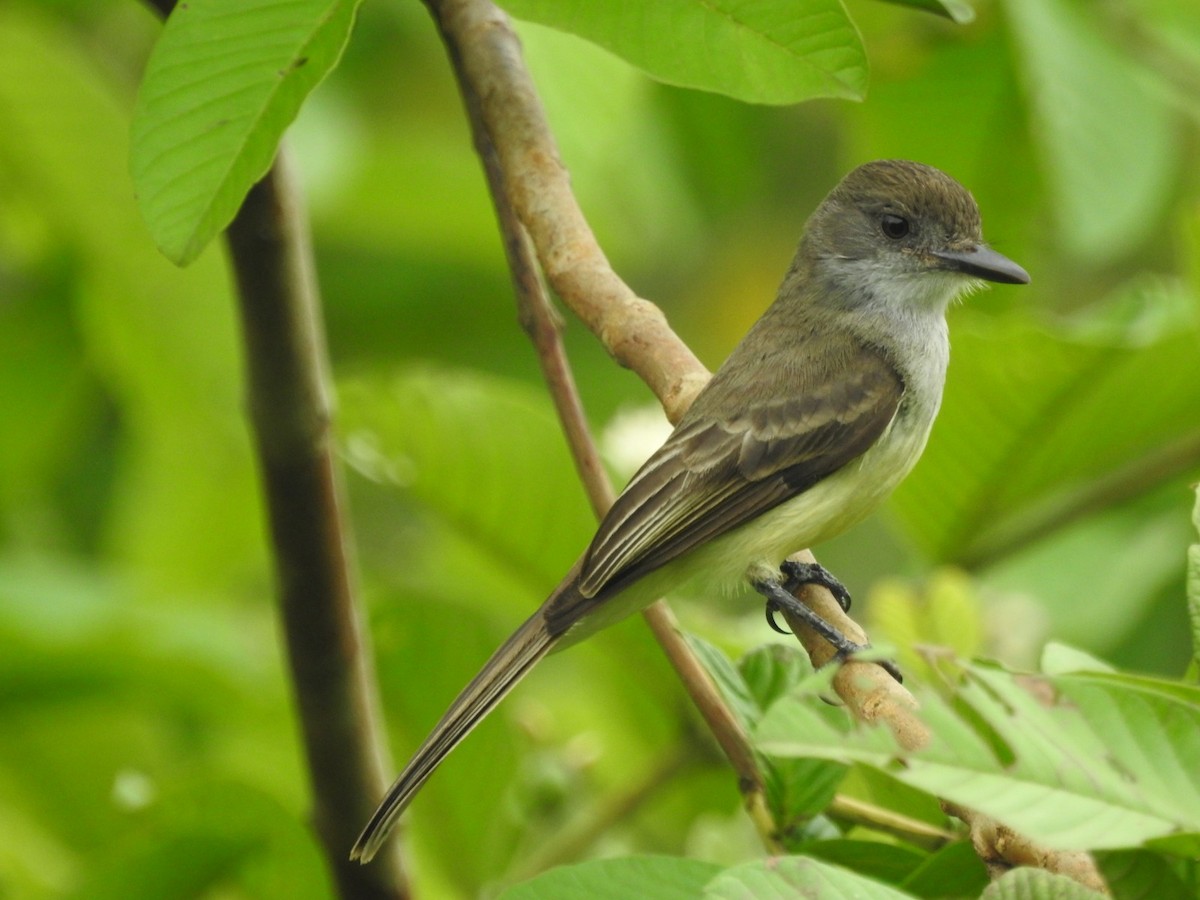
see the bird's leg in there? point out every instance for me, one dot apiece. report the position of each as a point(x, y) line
point(779, 597)
point(800, 573)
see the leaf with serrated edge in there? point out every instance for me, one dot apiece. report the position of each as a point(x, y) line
point(1100, 763)
point(796, 876)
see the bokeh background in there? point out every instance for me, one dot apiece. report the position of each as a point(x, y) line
point(148, 745)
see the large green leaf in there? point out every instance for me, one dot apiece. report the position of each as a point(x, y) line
point(160, 342)
point(796, 876)
point(1029, 419)
point(1105, 135)
point(225, 79)
point(485, 454)
point(659, 877)
point(770, 51)
point(1078, 762)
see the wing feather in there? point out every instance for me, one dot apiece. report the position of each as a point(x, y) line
point(717, 472)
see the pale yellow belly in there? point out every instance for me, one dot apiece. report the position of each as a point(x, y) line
point(823, 511)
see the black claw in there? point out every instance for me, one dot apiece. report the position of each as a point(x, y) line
point(892, 669)
point(771, 610)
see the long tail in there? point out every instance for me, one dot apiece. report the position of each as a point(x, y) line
point(499, 675)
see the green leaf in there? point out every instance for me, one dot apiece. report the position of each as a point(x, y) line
point(1095, 117)
point(772, 670)
point(954, 871)
point(214, 837)
point(1062, 659)
point(794, 876)
point(728, 680)
point(797, 789)
point(1140, 873)
point(1037, 884)
point(1193, 585)
point(775, 51)
point(958, 10)
point(485, 454)
point(225, 79)
point(160, 343)
point(1025, 429)
point(657, 877)
point(1097, 764)
point(891, 863)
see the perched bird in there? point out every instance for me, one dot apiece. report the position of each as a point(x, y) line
point(818, 413)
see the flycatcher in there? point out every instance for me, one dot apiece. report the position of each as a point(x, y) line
point(816, 416)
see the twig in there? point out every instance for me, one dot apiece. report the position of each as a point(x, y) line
point(1002, 849)
point(487, 61)
point(878, 818)
point(289, 404)
point(868, 691)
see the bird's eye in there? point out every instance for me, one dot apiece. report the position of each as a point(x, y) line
point(894, 226)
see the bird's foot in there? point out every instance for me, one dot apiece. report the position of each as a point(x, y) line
point(779, 598)
point(801, 573)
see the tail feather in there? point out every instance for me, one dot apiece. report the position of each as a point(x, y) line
point(499, 675)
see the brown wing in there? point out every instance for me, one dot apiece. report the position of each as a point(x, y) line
point(718, 471)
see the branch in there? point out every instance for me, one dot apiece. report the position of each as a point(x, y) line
point(1003, 849)
point(536, 206)
point(331, 669)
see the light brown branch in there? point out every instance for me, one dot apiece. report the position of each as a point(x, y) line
point(868, 691)
point(331, 668)
point(1003, 849)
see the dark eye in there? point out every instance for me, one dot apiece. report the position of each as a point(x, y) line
point(894, 226)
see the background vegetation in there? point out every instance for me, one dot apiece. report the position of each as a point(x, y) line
point(148, 745)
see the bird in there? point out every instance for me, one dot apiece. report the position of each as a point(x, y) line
point(818, 413)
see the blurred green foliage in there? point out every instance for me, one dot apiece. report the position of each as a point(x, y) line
point(148, 746)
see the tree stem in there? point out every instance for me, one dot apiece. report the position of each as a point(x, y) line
point(288, 391)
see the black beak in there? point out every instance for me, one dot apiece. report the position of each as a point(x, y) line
point(983, 262)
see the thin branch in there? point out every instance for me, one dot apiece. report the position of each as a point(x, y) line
point(869, 692)
point(872, 695)
point(878, 818)
point(1003, 849)
point(331, 668)
point(487, 62)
